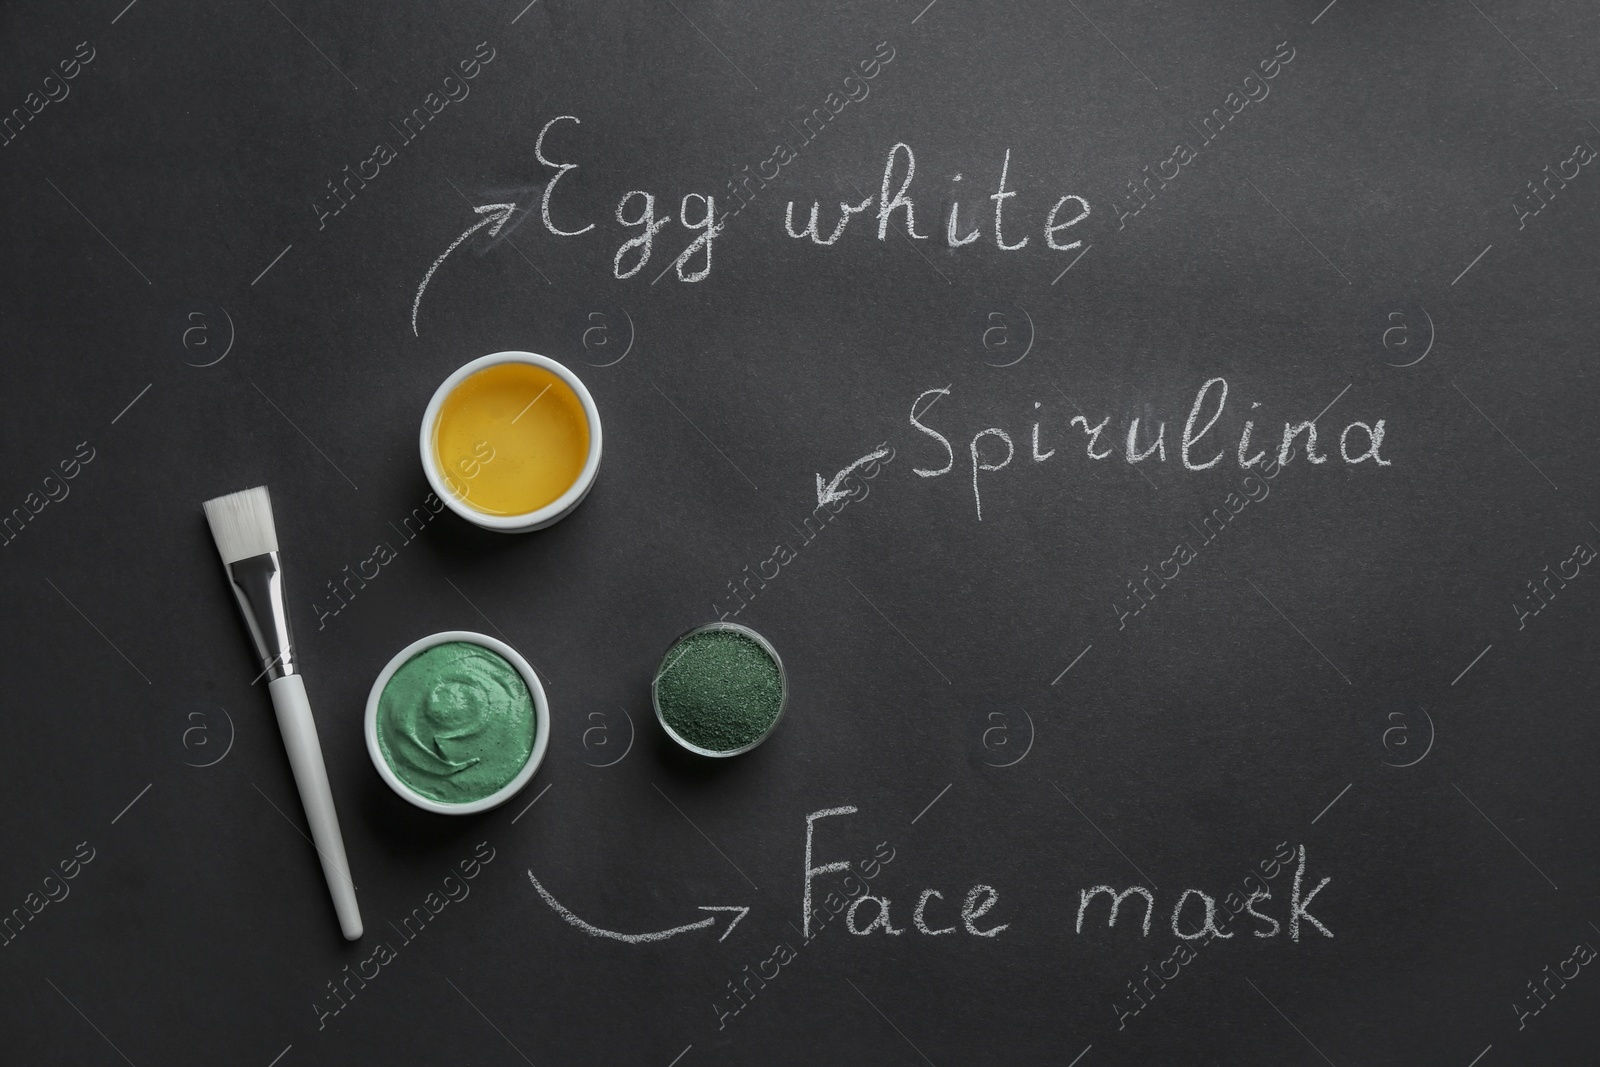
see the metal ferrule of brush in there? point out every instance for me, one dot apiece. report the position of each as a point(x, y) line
point(257, 583)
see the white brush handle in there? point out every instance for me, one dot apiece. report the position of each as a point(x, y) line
point(305, 758)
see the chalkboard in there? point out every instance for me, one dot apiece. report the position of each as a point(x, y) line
point(1158, 438)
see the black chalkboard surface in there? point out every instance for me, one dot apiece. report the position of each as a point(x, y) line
point(1158, 438)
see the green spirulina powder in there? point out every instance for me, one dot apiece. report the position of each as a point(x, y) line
point(720, 690)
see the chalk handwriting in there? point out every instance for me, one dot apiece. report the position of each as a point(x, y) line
point(869, 912)
point(979, 901)
point(991, 449)
point(693, 264)
point(1193, 917)
point(896, 207)
point(1186, 951)
point(1299, 908)
point(826, 868)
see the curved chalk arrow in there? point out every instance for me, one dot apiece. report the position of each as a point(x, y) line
point(639, 939)
point(496, 214)
point(827, 494)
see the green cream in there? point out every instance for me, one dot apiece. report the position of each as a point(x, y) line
point(456, 723)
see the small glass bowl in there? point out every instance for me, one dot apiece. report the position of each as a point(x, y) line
point(783, 699)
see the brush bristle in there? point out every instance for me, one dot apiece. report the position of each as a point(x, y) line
point(241, 524)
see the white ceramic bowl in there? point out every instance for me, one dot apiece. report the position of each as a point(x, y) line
point(541, 723)
point(552, 512)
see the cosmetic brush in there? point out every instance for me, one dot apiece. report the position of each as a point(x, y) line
point(241, 524)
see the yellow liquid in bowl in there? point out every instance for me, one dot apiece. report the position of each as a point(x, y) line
point(511, 439)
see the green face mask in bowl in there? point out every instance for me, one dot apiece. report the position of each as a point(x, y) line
point(457, 722)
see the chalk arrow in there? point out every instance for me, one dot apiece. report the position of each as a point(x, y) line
point(640, 939)
point(827, 494)
point(495, 216)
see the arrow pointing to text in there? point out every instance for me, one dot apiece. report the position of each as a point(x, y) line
point(827, 494)
point(639, 939)
point(495, 214)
